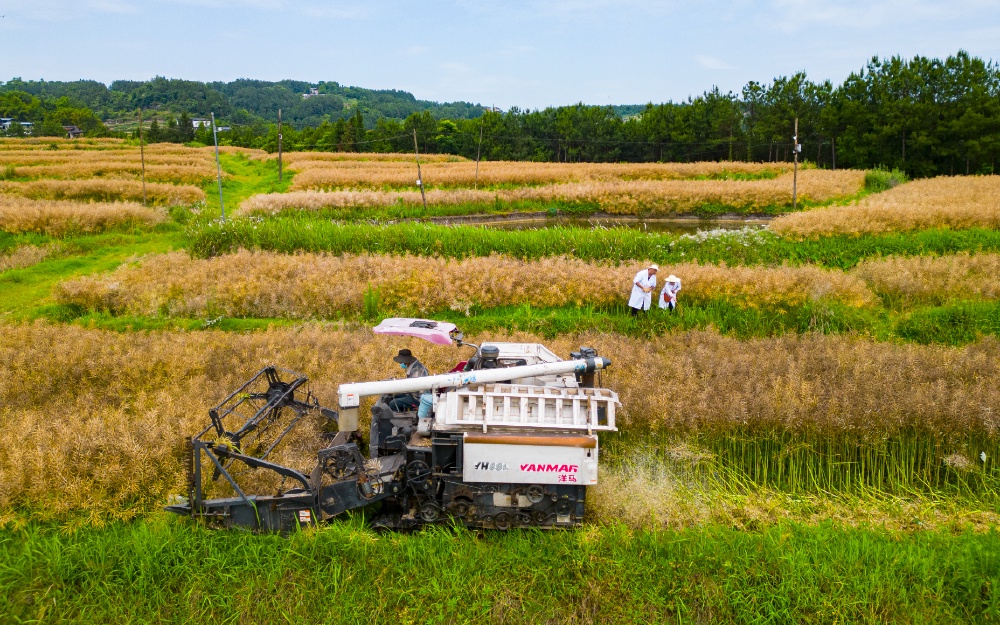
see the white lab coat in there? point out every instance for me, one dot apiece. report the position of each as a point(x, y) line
point(669, 293)
point(639, 299)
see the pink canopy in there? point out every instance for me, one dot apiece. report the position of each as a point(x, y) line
point(437, 332)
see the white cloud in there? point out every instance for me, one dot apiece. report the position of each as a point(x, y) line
point(711, 62)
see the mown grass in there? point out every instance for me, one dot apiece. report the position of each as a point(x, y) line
point(290, 234)
point(166, 572)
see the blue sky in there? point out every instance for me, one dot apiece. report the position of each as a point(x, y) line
point(508, 53)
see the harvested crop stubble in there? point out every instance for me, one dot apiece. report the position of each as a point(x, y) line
point(25, 255)
point(932, 279)
point(319, 173)
point(674, 493)
point(263, 284)
point(133, 397)
point(945, 202)
point(59, 217)
point(616, 196)
point(104, 190)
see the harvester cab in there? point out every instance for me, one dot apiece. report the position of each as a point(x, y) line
point(508, 438)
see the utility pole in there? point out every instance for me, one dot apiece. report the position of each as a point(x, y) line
point(218, 165)
point(482, 122)
point(279, 145)
point(142, 157)
point(420, 178)
point(795, 175)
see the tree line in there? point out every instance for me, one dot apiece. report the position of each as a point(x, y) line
point(922, 115)
point(241, 102)
point(925, 116)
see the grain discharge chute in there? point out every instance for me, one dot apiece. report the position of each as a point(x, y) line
point(507, 439)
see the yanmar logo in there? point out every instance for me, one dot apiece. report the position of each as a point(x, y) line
point(550, 468)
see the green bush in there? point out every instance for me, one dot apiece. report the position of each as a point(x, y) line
point(880, 179)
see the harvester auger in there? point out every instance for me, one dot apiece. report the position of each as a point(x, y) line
point(506, 439)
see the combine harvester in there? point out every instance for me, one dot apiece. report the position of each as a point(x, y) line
point(507, 439)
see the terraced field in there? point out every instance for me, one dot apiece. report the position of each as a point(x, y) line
point(812, 434)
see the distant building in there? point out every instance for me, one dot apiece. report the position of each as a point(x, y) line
point(313, 92)
point(72, 132)
point(5, 123)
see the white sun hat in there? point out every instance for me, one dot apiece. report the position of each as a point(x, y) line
point(654, 266)
point(673, 278)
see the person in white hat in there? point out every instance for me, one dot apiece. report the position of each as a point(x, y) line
point(642, 289)
point(668, 296)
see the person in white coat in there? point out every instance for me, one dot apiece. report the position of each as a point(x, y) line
point(642, 289)
point(668, 296)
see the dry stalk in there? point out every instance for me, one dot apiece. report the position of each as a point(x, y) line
point(946, 202)
point(304, 286)
point(57, 217)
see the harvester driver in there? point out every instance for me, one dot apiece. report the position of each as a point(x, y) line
point(414, 369)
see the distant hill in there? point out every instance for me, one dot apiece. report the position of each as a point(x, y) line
point(243, 101)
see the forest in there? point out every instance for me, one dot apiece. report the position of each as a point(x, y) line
point(924, 116)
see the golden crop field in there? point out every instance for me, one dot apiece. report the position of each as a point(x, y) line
point(262, 284)
point(316, 172)
point(88, 144)
point(93, 422)
point(60, 217)
point(933, 279)
point(104, 190)
point(616, 196)
point(946, 202)
point(165, 162)
point(304, 160)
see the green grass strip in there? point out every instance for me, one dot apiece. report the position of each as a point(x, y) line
point(288, 234)
point(164, 571)
point(955, 324)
